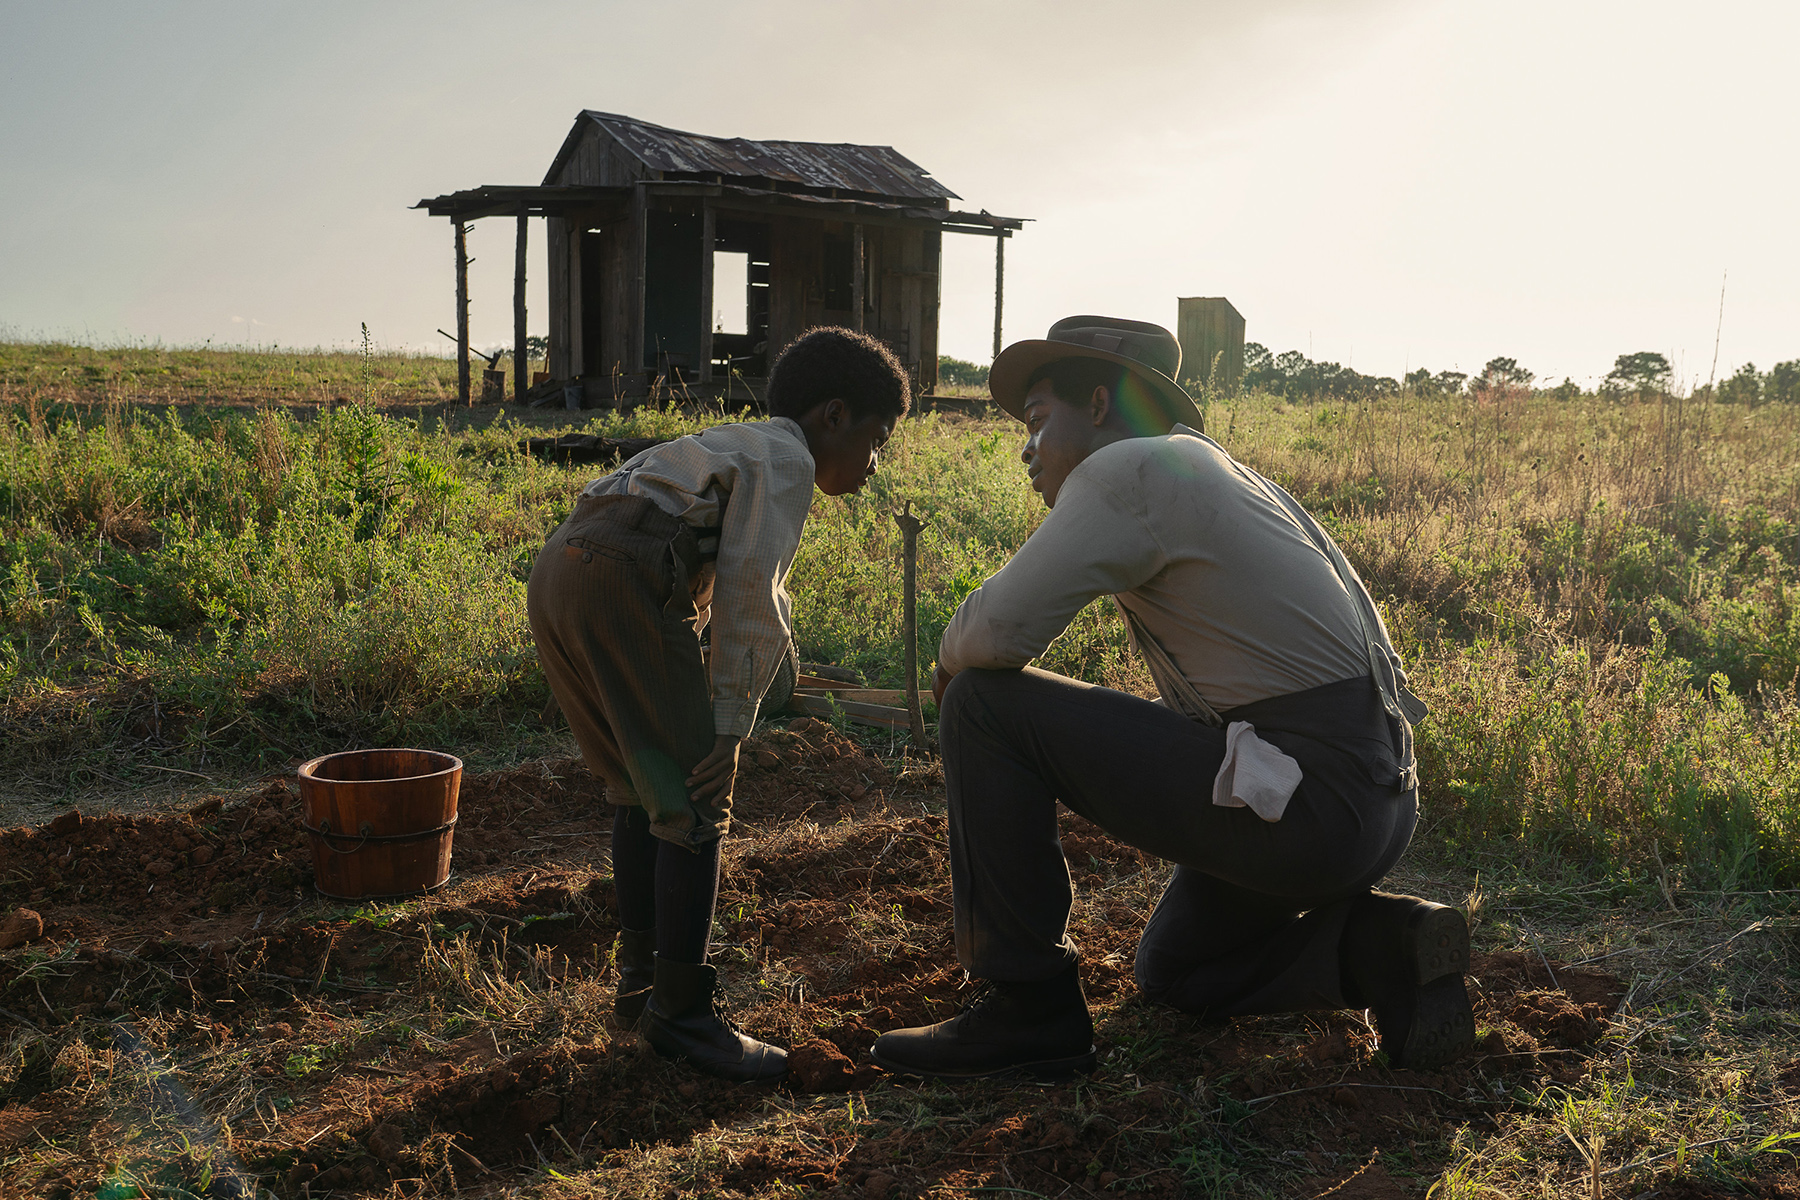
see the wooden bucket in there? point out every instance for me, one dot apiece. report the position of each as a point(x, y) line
point(380, 821)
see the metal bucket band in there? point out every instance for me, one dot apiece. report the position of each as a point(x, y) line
point(365, 835)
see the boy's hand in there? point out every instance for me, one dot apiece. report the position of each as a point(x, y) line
point(939, 681)
point(713, 776)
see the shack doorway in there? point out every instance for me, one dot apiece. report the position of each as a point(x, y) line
point(674, 312)
point(747, 353)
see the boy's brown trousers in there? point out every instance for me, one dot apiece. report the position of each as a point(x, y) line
point(612, 608)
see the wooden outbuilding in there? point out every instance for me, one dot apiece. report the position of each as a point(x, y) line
point(638, 216)
point(1211, 332)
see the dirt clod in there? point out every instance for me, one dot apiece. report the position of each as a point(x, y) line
point(819, 1066)
point(21, 926)
point(386, 1142)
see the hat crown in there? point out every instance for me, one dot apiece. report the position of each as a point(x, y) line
point(1139, 341)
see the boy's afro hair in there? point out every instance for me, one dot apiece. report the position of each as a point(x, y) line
point(833, 363)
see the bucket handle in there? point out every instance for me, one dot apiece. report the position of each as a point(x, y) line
point(367, 834)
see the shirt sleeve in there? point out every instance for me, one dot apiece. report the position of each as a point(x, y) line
point(752, 616)
point(1093, 543)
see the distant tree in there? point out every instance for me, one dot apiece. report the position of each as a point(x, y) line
point(1743, 387)
point(1645, 371)
point(1784, 382)
point(1298, 377)
point(1500, 376)
point(961, 372)
point(1450, 382)
point(537, 346)
point(1260, 374)
point(1421, 381)
point(1292, 364)
point(1567, 390)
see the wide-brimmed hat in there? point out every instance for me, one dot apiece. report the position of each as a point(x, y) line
point(1149, 350)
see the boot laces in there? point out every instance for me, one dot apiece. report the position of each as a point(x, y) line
point(985, 993)
point(721, 1006)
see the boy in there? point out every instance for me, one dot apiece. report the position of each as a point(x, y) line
point(706, 525)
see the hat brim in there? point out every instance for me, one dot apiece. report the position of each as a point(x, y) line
point(1007, 378)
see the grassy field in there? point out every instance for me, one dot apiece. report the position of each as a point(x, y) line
point(1596, 596)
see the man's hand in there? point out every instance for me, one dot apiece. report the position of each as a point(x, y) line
point(713, 776)
point(939, 681)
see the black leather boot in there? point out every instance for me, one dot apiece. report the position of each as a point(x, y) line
point(1404, 958)
point(680, 1022)
point(1035, 1030)
point(637, 974)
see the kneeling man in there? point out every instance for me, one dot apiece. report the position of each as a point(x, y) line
point(1276, 770)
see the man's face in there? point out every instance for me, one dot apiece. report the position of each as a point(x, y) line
point(1058, 437)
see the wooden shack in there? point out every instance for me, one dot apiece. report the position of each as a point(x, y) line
point(1211, 332)
point(637, 216)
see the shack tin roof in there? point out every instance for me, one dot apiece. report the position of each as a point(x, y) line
point(814, 166)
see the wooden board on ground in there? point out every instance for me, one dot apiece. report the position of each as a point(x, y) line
point(882, 716)
point(893, 696)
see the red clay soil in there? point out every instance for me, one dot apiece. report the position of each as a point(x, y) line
point(202, 924)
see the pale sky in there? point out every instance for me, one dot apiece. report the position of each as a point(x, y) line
point(1381, 183)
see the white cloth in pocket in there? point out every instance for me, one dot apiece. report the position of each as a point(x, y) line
point(1254, 775)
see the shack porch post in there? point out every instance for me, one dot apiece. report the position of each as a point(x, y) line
point(857, 281)
point(519, 372)
point(1000, 236)
point(462, 311)
point(709, 236)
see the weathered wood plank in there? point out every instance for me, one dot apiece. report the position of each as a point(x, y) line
point(887, 696)
point(881, 716)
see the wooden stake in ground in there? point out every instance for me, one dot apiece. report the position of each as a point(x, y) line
point(909, 541)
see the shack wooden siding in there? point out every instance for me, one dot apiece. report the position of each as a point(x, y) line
point(562, 340)
point(903, 267)
point(932, 254)
point(597, 161)
point(620, 273)
point(796, 255)
point(1209, 327)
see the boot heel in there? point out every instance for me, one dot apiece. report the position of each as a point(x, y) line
point(1438, 944)
point(1443, 1026)
point(1062, 1070)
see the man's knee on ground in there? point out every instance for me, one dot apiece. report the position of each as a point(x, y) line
point(1177, 984)
point(966, 689)
point(1155, 978)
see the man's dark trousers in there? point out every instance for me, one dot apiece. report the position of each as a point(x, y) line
point(1252, 920)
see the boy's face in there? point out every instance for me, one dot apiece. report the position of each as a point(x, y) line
point(845, 450)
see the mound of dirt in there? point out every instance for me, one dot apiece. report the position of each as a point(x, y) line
point(185, 862)
point(808, 769)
